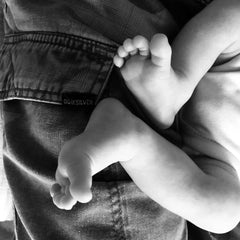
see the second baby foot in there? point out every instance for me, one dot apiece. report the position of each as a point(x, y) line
point(113, 134)
point(146, 69)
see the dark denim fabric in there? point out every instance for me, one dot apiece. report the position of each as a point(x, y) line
point(55, 52)
point(58, 63)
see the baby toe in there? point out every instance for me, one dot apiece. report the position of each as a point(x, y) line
point(122, 52)
point(160, 50)
point(142, 44)
point(118, 61)
point(129, 46)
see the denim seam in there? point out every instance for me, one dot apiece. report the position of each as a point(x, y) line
point(60, 34)
point(30, 90)
point(86, 45)
point(128, 20)
point(116, 210)
point(11, 83)
point(100, 93)
point(99, 57)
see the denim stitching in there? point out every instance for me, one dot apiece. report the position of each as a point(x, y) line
point(56, 34)
point(88, 45)
point(29, 89)
point(117, 215)
point(98, 57)
point(11, 83)
point(100, 52)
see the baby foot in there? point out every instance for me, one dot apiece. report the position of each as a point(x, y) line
point(112, 134)
point(146, 69)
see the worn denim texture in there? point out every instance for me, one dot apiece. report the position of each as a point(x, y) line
point(52, 48)
point(56, 47)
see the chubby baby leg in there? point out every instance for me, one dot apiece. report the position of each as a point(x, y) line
point(112, 134)
point(160, 169)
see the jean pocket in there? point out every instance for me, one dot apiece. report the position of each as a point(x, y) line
point(54, 67)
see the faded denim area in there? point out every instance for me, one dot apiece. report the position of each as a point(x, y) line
point(52, 48)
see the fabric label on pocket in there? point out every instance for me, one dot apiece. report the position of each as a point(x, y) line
point(79, 99)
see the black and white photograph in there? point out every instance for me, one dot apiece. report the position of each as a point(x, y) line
point(119, 119)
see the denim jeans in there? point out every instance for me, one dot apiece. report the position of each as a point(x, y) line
point(56, 65)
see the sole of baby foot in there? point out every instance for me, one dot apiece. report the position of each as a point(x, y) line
point(112, 134)
point(149, 76)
